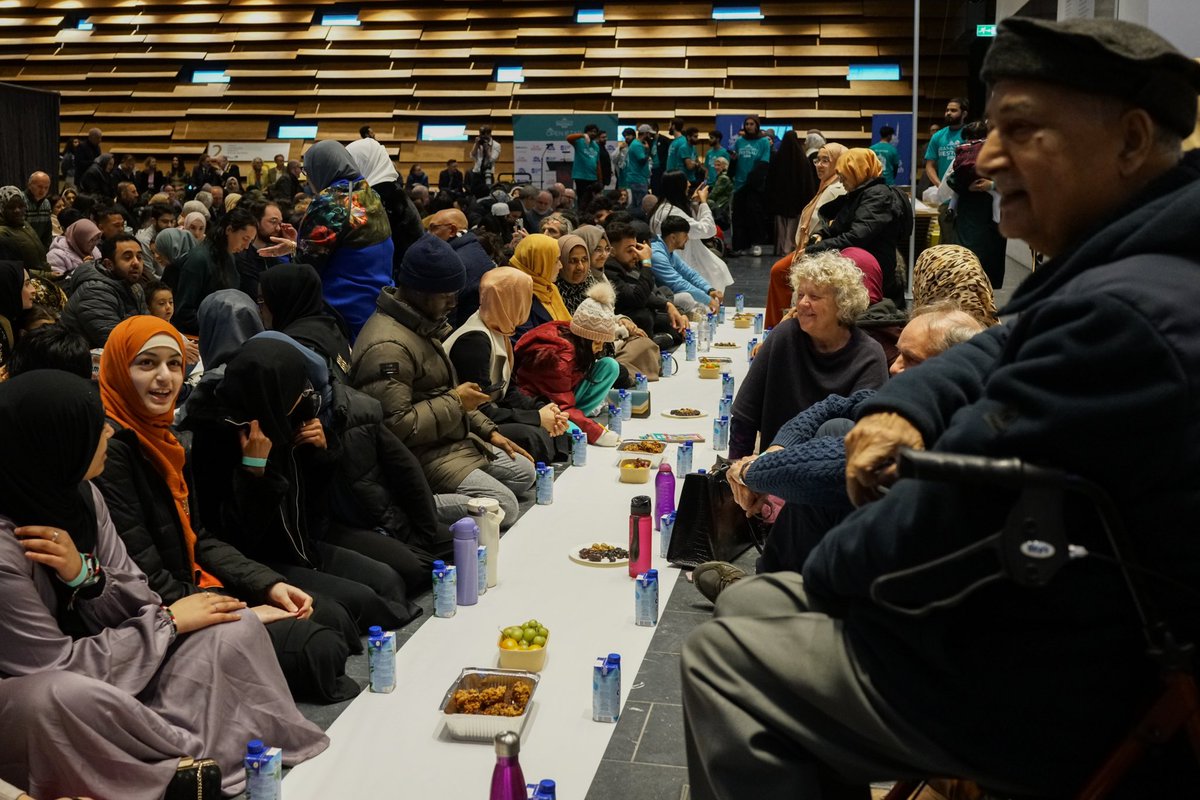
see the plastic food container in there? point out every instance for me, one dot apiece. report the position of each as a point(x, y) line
point(528, 660)
point(631, 472)
point(643, 447)
point(710, 371)
point(653, 459)
point(481, 727)
point(743, 322)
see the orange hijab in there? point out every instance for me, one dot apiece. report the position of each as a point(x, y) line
point(537, 256)
point(859, 165)
point(122, 404)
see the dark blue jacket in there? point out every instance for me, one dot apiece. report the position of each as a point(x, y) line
point(1098, 375)
point(477, 262)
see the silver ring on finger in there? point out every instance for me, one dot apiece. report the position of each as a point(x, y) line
point(54, 538)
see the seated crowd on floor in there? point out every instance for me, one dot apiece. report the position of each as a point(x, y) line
point(239, 415)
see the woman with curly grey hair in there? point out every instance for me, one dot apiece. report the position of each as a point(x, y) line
point(816, 353)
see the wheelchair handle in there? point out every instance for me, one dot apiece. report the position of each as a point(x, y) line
point(958, 468)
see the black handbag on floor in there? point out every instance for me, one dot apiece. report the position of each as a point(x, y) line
point(195, 779)
point(709, 524)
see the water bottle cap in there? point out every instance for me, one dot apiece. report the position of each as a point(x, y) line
point(702, 471)
point(547, 786)
point(614, 659)
point(724, 419)
point(439, 566)
point(375, 630)
point(652, 574)
point(465, 528)
point(540, 465)
point(688, 445)
point(672, 515)
point(622, 392)
point(508, 744)
point(255, 747)
point(637, 376)
point(640, 505)
point(664, 467)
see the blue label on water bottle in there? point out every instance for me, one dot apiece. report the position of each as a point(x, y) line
point(606, 689)
point(445, 592)
point(483, 557)
point(381, 661)
point(724, 405)
point(645, 598)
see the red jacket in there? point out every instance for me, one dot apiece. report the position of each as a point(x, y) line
point(546, 368)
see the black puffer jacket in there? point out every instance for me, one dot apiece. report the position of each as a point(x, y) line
point(142, 510)
point(876, 217)
point(379, 484)
point(99, 302)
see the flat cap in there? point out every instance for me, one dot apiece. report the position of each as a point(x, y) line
point(1100, 56)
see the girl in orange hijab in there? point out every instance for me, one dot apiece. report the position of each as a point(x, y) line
point(141, 373)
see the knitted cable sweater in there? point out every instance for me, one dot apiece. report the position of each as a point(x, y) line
point(810, 469)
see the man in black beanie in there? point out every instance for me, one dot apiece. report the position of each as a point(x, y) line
point(812, 685)
point(399, 360)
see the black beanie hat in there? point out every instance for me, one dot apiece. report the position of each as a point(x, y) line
point(431, 266)
point(1105, 57)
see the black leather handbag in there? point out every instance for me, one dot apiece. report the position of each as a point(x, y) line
point(195, 779)
point(709, 524)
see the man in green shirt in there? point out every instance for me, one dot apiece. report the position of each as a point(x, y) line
point(749, 210)
point(585, 170)
point(889, 156)
point(939, 155)
point(682, 153)
point(715, 151)
point(637, 166)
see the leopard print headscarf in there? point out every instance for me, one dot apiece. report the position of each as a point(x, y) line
point(951, 272)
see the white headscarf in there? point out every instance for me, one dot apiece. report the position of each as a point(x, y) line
point(373, 161)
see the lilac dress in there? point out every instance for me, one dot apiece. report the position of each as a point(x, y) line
point(109, 715)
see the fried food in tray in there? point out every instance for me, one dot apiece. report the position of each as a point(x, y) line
point(492, 699)
point(642, 446)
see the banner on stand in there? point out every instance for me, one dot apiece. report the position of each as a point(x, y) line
point(541, 155)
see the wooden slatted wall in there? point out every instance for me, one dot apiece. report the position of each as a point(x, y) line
point(434, 62)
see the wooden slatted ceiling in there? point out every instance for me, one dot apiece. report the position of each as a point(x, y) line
point(428, 60)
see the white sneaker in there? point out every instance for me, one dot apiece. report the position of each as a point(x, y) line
point(608, 439)
point(756, 251)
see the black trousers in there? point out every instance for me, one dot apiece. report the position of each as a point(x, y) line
point(750, 221)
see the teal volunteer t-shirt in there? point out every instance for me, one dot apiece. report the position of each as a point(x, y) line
point(749, 153)
point(941, 147)
point(680, 150)
point(586, 155)
point(890, 157)
point(637, 170)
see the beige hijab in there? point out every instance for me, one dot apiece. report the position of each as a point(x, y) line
point(835, 151)
point(505, 298)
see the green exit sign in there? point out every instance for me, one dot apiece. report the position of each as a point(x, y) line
point(985, 30)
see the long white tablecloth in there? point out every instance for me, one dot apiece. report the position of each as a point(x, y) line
point(395, 745)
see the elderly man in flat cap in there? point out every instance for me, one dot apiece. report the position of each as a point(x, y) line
point(812, 686)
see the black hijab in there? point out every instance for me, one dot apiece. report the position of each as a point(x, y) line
point(791, 177)
point(12, 282)
point(291, 291)
point(262, 382)
point(50, 424)
point(294, 296)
